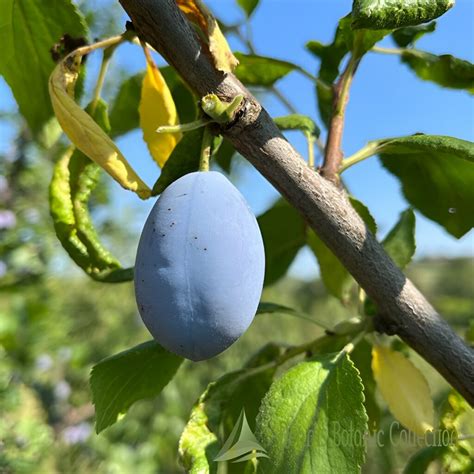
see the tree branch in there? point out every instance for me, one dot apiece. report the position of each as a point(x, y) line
point(402, 307)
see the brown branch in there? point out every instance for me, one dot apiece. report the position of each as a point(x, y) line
point(402, 307)
point(333, 154)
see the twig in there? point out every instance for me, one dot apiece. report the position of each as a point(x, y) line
point(325, 208)
point(333, 155)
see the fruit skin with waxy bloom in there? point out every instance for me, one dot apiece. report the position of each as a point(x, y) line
point(200, 266)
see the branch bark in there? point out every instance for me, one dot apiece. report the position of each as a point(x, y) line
point(404, 310)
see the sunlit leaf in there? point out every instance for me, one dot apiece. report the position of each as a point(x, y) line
point(404, 388)
point(385, 14)
point(85, 133)
point(304, 413)
point(157, 108)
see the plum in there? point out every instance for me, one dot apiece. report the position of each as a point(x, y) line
point(200, 266)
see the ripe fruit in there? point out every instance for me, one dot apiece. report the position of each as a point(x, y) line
point(200, 266)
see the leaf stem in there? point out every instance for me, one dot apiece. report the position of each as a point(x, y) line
point(366, 152)
point(348, 348)
point(333, 155)
point(310, 139)
point(382, 50)
point(184, 127)
point(106, 57)
point(107, 43)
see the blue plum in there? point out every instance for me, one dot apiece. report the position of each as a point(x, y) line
point(200, 266)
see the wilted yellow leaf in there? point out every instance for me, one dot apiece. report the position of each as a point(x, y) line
point(85, 133)
point(156, 109)
point(217, 45)
point(404, 388)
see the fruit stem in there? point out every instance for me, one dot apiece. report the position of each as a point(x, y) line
point(205, 150)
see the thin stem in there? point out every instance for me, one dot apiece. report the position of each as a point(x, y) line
point(283, 99)
point(292, 109)
point(366, 152)
point(107, 56)
point(333, 155)
point(184, 127)
point(348, 348)
point(205, 150)
point(107, 43)
point(310, 139)
point(382, 50)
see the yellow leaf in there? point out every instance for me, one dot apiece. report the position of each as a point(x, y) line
point(157, 108)
point(404, 388)
point(85, 133)
point(216, 44)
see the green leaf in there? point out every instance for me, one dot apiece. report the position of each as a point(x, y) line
point(407, 36)
point(183, 160)
point(457, 418)
point(436, 174)
point(400, 241)
point(185, 101)
point(261, 71)
point(248, 6)
point(124, 115)
point(119, 381)
point(223, 156)
point(362, 358)
point(305, 413)
point(271, 308)
point(222, 403)
point(364, 213)
point(284, 234)
point(336, 278)
point(297, 122)
point(265, 307)
point(331, 56)
point(444, 70)
point(28, 31)
point(421, 460)
point(124, 111)
point(385, 14)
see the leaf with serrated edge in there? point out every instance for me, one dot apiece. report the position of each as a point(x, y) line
point(120, 380)
point(304, 414)
point(404, 388)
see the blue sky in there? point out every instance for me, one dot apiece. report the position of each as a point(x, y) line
point(386, 100)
